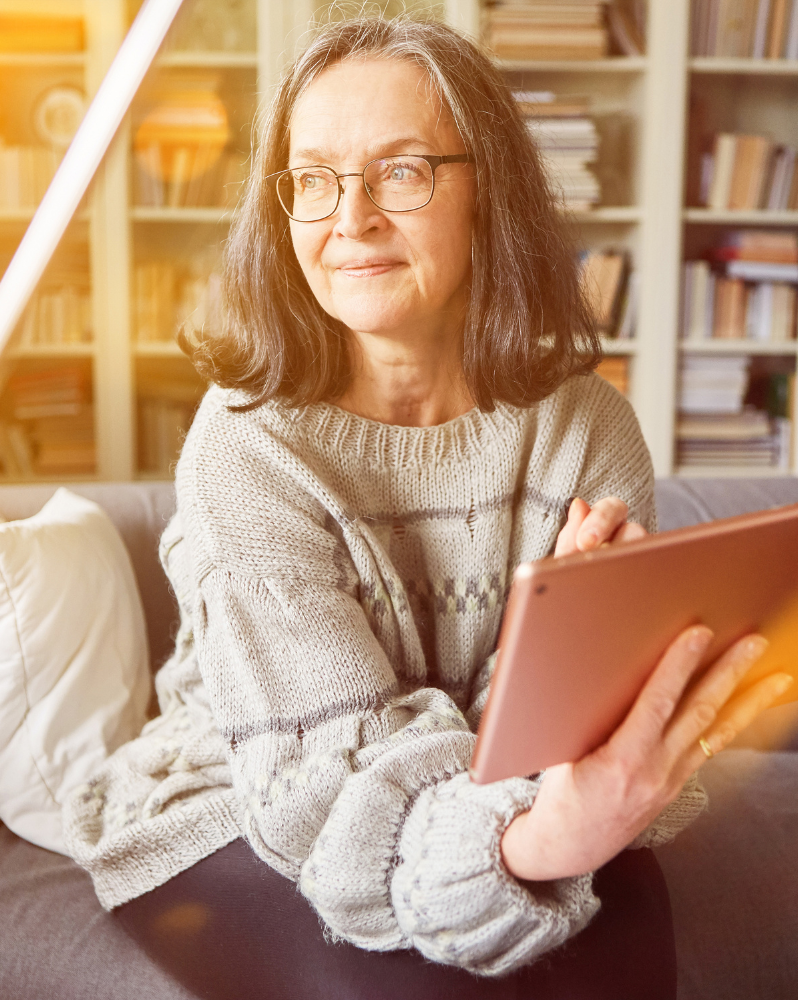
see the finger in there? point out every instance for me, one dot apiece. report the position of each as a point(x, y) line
point(604, 519)
point(629, 532)
point(655, 706)
point(566, 540)
point(701, 706)
point(739, 712)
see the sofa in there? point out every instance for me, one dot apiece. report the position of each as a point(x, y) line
point(733, 876)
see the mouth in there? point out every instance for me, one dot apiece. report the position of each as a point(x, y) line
point(368, 267)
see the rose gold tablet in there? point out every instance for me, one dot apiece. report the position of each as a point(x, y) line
point(581, 634)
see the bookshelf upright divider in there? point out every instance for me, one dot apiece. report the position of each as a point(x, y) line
point(110, 266)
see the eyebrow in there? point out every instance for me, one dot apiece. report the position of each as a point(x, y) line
point(318, 154)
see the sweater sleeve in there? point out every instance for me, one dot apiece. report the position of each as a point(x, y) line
point(361, 792)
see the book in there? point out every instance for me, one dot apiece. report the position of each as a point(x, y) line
point(615, 370)
point(710, 384)
point(165, 411)
point(31, 33)
point(546, 31)
point(698, 300)
point(748, 173)
point(25, 175)
point(625, 31)
point(778, 28)
point(739, 29)
point(724, 153)
point(168, 297)
point(567, 144)
point(603, 275)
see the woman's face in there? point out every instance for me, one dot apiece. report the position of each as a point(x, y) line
point(383, 272)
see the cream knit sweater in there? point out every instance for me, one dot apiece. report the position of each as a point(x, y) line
point(341, 584)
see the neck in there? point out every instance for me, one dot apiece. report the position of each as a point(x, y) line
point(414, 381)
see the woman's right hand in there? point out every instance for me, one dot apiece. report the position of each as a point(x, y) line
point(588, 811)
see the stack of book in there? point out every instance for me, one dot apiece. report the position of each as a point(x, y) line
point(745, 29)
point(181, 154)
point(538, 30)
point(750, 293)
point(715, 428)
point(616, 371)
point(58, 315)
point(749, 438)
point(610, 289)
point(168, 298)
point(51, 425)
point(568, 142)
point(747, 172)
point(165, 410)
point(191, 182)
point(713, 384)
point(25, 175)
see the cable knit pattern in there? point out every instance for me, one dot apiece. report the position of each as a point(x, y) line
point(341, 585)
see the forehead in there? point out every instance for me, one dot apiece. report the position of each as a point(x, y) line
point(361, 107)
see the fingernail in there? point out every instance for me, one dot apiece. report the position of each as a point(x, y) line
point(699, 639)
point(755, 647)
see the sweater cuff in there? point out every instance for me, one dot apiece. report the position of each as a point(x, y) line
point(453, 897)
point(691, 802)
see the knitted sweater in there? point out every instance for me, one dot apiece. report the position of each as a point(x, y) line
point(341, 584)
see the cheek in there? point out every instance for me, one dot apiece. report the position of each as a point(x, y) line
point(308, 246)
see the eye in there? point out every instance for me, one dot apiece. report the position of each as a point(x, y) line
point(308, 182)
point(401, 171)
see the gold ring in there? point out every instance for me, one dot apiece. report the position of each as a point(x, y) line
point(708, 751)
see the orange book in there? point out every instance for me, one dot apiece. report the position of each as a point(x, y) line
point(23, 33)
point(748, 174)
point(778, 29)
point(730, 305)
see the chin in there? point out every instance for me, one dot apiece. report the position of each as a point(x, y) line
point(372, 318)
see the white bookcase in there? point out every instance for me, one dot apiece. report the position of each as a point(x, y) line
point(640, 104)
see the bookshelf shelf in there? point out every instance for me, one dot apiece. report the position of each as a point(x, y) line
point(789, 348)
point(619, 347)
point(730, 472)
point(621, 214)
point(54, 351)
point(736, 217)
point(616, 64)
point(216, 60)
point(154, 349)
point(749, 67)
point(211, 216)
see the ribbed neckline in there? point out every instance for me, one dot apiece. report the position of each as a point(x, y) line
point(393, 446)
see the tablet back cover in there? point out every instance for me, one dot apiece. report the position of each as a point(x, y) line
point(581, 634)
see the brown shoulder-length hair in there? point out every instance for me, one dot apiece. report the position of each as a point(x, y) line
point(528, 326)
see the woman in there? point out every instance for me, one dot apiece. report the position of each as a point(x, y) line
point(403, 406)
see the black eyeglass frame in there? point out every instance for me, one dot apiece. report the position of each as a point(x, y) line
point(433, 161)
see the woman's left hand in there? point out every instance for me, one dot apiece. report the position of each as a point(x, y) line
point(589, 527)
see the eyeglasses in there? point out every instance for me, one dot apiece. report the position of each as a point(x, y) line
point(393, 183)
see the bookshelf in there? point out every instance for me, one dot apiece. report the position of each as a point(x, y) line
point(641, 105)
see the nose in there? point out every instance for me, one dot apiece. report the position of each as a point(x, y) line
point(357, 213)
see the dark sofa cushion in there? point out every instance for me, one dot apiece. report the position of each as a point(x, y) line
point(733, 881)
point(57, 943)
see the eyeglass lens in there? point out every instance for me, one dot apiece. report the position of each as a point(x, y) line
point(399, 184)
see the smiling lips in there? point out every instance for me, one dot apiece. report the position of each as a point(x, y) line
point(368, 268)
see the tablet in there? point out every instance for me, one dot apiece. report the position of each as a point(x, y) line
point(581, 634)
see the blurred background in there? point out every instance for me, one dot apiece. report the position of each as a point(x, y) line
point(669, 132)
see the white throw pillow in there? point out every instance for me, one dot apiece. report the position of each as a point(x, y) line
point(74, 676)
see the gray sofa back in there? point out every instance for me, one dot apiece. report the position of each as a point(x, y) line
point(140, 512)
